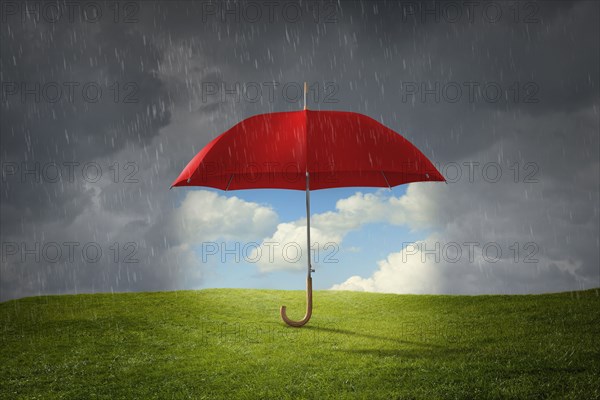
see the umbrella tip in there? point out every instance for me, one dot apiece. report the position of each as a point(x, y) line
point(305, 90)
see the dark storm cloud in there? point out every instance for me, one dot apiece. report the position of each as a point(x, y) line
point(56, 134)
point(100, 55)
point(374, 52)
point(49, 118)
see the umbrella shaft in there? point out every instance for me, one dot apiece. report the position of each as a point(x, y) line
point(308, 223)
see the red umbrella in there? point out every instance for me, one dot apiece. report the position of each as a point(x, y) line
point(304, 150)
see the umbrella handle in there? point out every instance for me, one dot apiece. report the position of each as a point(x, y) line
point(308, 314)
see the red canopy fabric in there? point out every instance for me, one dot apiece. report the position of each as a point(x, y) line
point(336, 148)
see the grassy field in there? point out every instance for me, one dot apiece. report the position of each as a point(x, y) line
point(231, 344)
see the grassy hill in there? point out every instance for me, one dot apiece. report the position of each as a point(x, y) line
point(231, 344)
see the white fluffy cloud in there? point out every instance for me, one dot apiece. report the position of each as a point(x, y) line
point(416, 271)
point(286, 247)
point(204, 216)
point(396, 276)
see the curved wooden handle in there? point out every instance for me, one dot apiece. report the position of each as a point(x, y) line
point(308, 314)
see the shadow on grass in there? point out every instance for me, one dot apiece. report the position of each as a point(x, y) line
point(400, 348)
point(370, 336)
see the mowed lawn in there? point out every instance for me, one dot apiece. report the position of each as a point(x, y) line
point(224, 343)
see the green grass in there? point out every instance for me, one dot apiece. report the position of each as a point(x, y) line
point(231, 344)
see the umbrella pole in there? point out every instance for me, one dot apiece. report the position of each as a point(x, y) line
point(308, 314)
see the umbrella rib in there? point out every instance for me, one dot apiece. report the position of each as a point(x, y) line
point(229, 183)
point(386, 181)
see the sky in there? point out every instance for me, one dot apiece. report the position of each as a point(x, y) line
point(104, 103)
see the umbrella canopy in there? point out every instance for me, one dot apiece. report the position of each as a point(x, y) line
point(337, 149)
point(305, 150)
